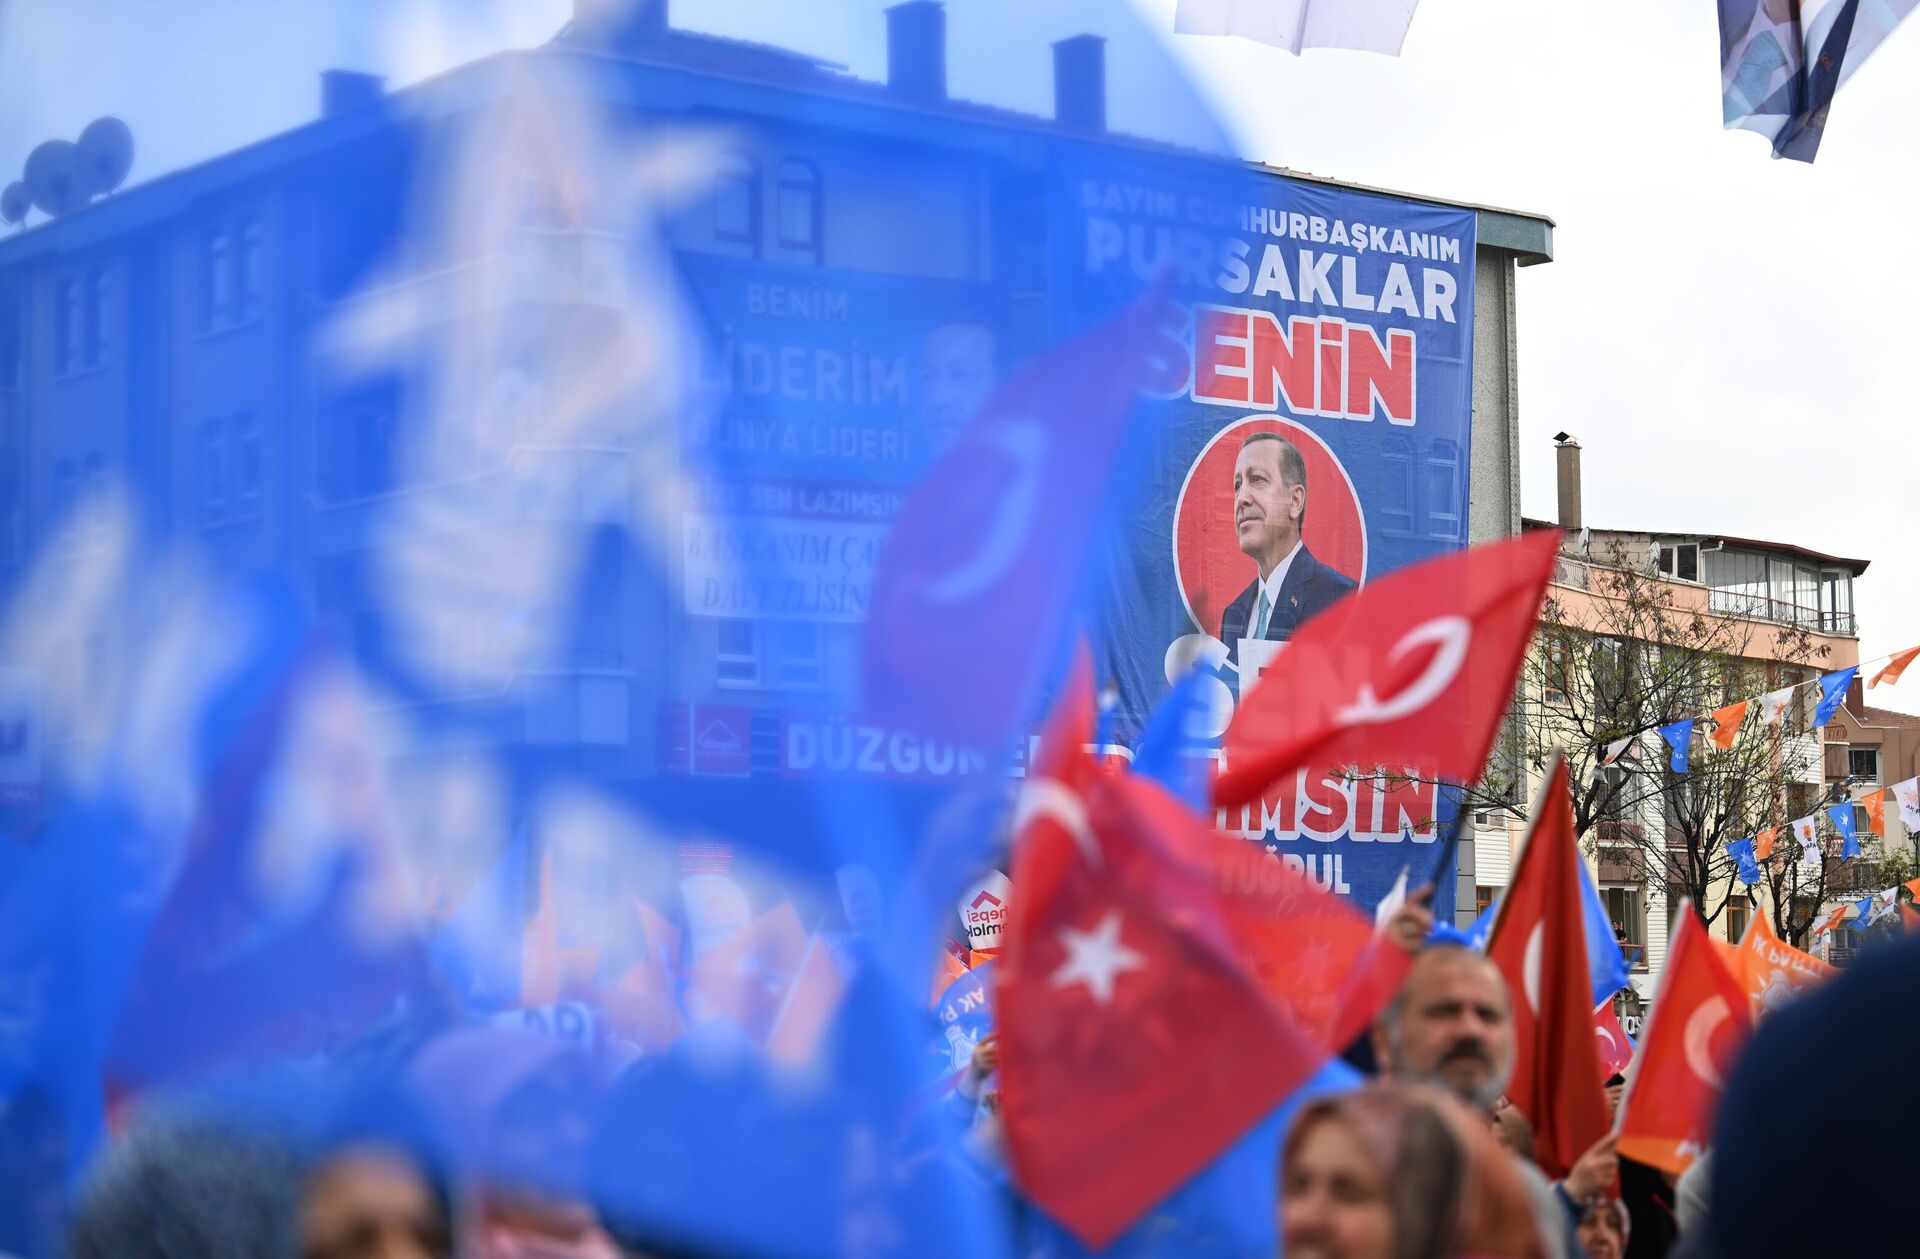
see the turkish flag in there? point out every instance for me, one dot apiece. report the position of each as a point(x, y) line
point(1616, 1051)
point(974, 590)
point(1539, 943)
point(1136, 1043)
point(1700, 1022)
point(1414, 670)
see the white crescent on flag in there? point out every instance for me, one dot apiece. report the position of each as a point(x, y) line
point(1025, 445)
point(1530, 965)
point(1051, 798)
point(1698, 1039)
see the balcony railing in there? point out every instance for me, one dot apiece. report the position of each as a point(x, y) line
point(1761, 608)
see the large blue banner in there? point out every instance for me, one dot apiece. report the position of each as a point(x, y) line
point(1314, 360)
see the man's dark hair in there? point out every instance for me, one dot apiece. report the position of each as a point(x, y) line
point(1293, 468)
point(185, 1186)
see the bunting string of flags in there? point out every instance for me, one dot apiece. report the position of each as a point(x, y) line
point(1868, 910)
point(1722, 728)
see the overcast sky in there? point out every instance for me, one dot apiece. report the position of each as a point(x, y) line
point(1723, 332)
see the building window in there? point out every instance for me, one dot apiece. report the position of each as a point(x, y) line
point(1396, 488)
point(1483, 898)
point(1863, 764)
point(247, 283)
point(1739, 581)
point(213, 473)
point(1680, 560)
point(736, 209)
point(216, 280)
point(797, 656)
point(797, 210)
point(243, 448)
point(1737, 915)
point(13, 354)
point(80, 321)
point(357, 450)
point(231, 280)
point(1627, 913)
point(1442, 476)
point(92, 490)
point(738, 660)
point(1794, 721)
point(69, 327)
point(1558, 670)
point(66, 492)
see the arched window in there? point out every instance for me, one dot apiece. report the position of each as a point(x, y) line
point(797, 209)
point(736, 205)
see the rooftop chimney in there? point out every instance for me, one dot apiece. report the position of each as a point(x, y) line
point(342, 91)
point(1080, 82)
point(618, 24)
point(917, 49)
point(1566, 453)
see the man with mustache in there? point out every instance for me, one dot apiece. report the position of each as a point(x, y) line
point(1269, 511)
point(1451, 1026)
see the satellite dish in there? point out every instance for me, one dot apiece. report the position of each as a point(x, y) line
point(53, 178)
point(14, 203)
point(105, 155)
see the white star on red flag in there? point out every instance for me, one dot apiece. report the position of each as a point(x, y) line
point(1096, 958)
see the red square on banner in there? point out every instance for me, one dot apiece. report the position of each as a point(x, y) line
point(720, 739)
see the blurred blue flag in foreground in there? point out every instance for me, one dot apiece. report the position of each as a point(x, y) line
point(1782, 61)
point(548, 568)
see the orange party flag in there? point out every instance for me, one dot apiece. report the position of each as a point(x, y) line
point(950, 969)
point(1727, 724)
point(1875, 803)
point(1909, 918)
point(1772, 971)
point(1763, 843)
point(1913, 885)
point(1890, 672)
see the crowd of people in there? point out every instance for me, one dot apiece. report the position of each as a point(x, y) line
point(491, 1142)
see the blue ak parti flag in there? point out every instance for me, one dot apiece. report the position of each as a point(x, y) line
point(1742, 850)
point(1679, 737)
point(1842, 815)
point(1607, 968)
point(1171, 751)
point(1833, 690)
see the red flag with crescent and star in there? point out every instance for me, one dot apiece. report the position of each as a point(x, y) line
point(1700, 1021)
point(1539, 943)
point(1414, 671)
point(1616, 1051)
point(1137, 1040)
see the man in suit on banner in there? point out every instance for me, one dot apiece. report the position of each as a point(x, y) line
point(1269, 511)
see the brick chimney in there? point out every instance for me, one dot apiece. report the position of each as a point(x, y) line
point(618, 24)
point(1566, 453)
